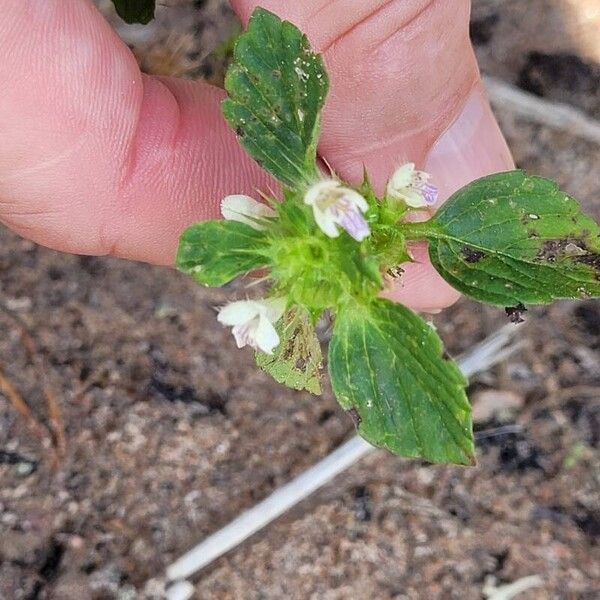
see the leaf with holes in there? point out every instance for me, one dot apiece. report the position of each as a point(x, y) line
point(388, 372)
point(511, 239)
point(215, 252)
point(277, 86)
point(135, 11)
point(297, 361)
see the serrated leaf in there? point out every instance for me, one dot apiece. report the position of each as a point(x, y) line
point(297, 361)
point(277, 86)
point(510, 238)
point(215, 252)
point(135, 11)
point(387, 371)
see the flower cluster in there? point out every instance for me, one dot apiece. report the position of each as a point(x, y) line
point(334, 206)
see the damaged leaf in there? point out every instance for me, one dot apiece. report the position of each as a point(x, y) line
point(388, 372)
point(277, 86)
point(297, 361)
point(511, 239)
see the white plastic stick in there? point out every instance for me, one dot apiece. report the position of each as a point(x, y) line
point(512, 590)
point(491, 351)
point(269, 509)
point(483, 356)
point(181, 590)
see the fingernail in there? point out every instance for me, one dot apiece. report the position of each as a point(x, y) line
point(471, 148)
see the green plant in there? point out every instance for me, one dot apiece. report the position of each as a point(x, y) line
point(508, 240)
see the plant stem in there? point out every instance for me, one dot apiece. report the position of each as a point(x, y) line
point(419, 231)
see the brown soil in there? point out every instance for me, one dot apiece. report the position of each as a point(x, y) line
point(171, 432)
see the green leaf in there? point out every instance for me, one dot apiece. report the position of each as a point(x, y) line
point(510, 238)
point(215, 252)
point(277, 87)
point(135, 11)
point(387, 371)
point(297, 361)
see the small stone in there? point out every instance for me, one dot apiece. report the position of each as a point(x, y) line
point(19, 304)
point(495, 404)
point(155, 589)
point(127, 592)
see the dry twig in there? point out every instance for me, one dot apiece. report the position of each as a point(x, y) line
point(56, 426)
point(14, 397)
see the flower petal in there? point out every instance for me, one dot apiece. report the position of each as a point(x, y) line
point(322, 188)
point(356, 199)
point(413, 198)
point(266, 336)
point(238, 313)
point(401, 178)
point(430, 194)
point(356, 225)
point(245, 209)
point(245, 334)
point(325, 221)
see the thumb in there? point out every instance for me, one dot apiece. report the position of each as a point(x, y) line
point(472, 147)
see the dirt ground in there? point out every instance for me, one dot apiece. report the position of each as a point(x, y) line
point(170, 432)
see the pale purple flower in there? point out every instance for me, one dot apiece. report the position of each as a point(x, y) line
point(252, 322)
point(430, 193)
point(412, 187)
point(335, 205)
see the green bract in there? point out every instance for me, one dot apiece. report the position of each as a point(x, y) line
point(507, 239)
point(297, 362)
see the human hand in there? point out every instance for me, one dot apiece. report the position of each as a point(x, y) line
point(97, 158)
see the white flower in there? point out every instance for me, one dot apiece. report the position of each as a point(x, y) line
point(252, 322)
point(412, 186)
point(245, 210)
point(334, 204)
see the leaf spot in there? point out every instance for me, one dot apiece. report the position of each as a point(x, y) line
point(301, 365)
point(471, 255)
point(593, 260)
point(570, 247)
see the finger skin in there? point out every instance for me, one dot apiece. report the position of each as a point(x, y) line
point(97, 158)
point(471, 148)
